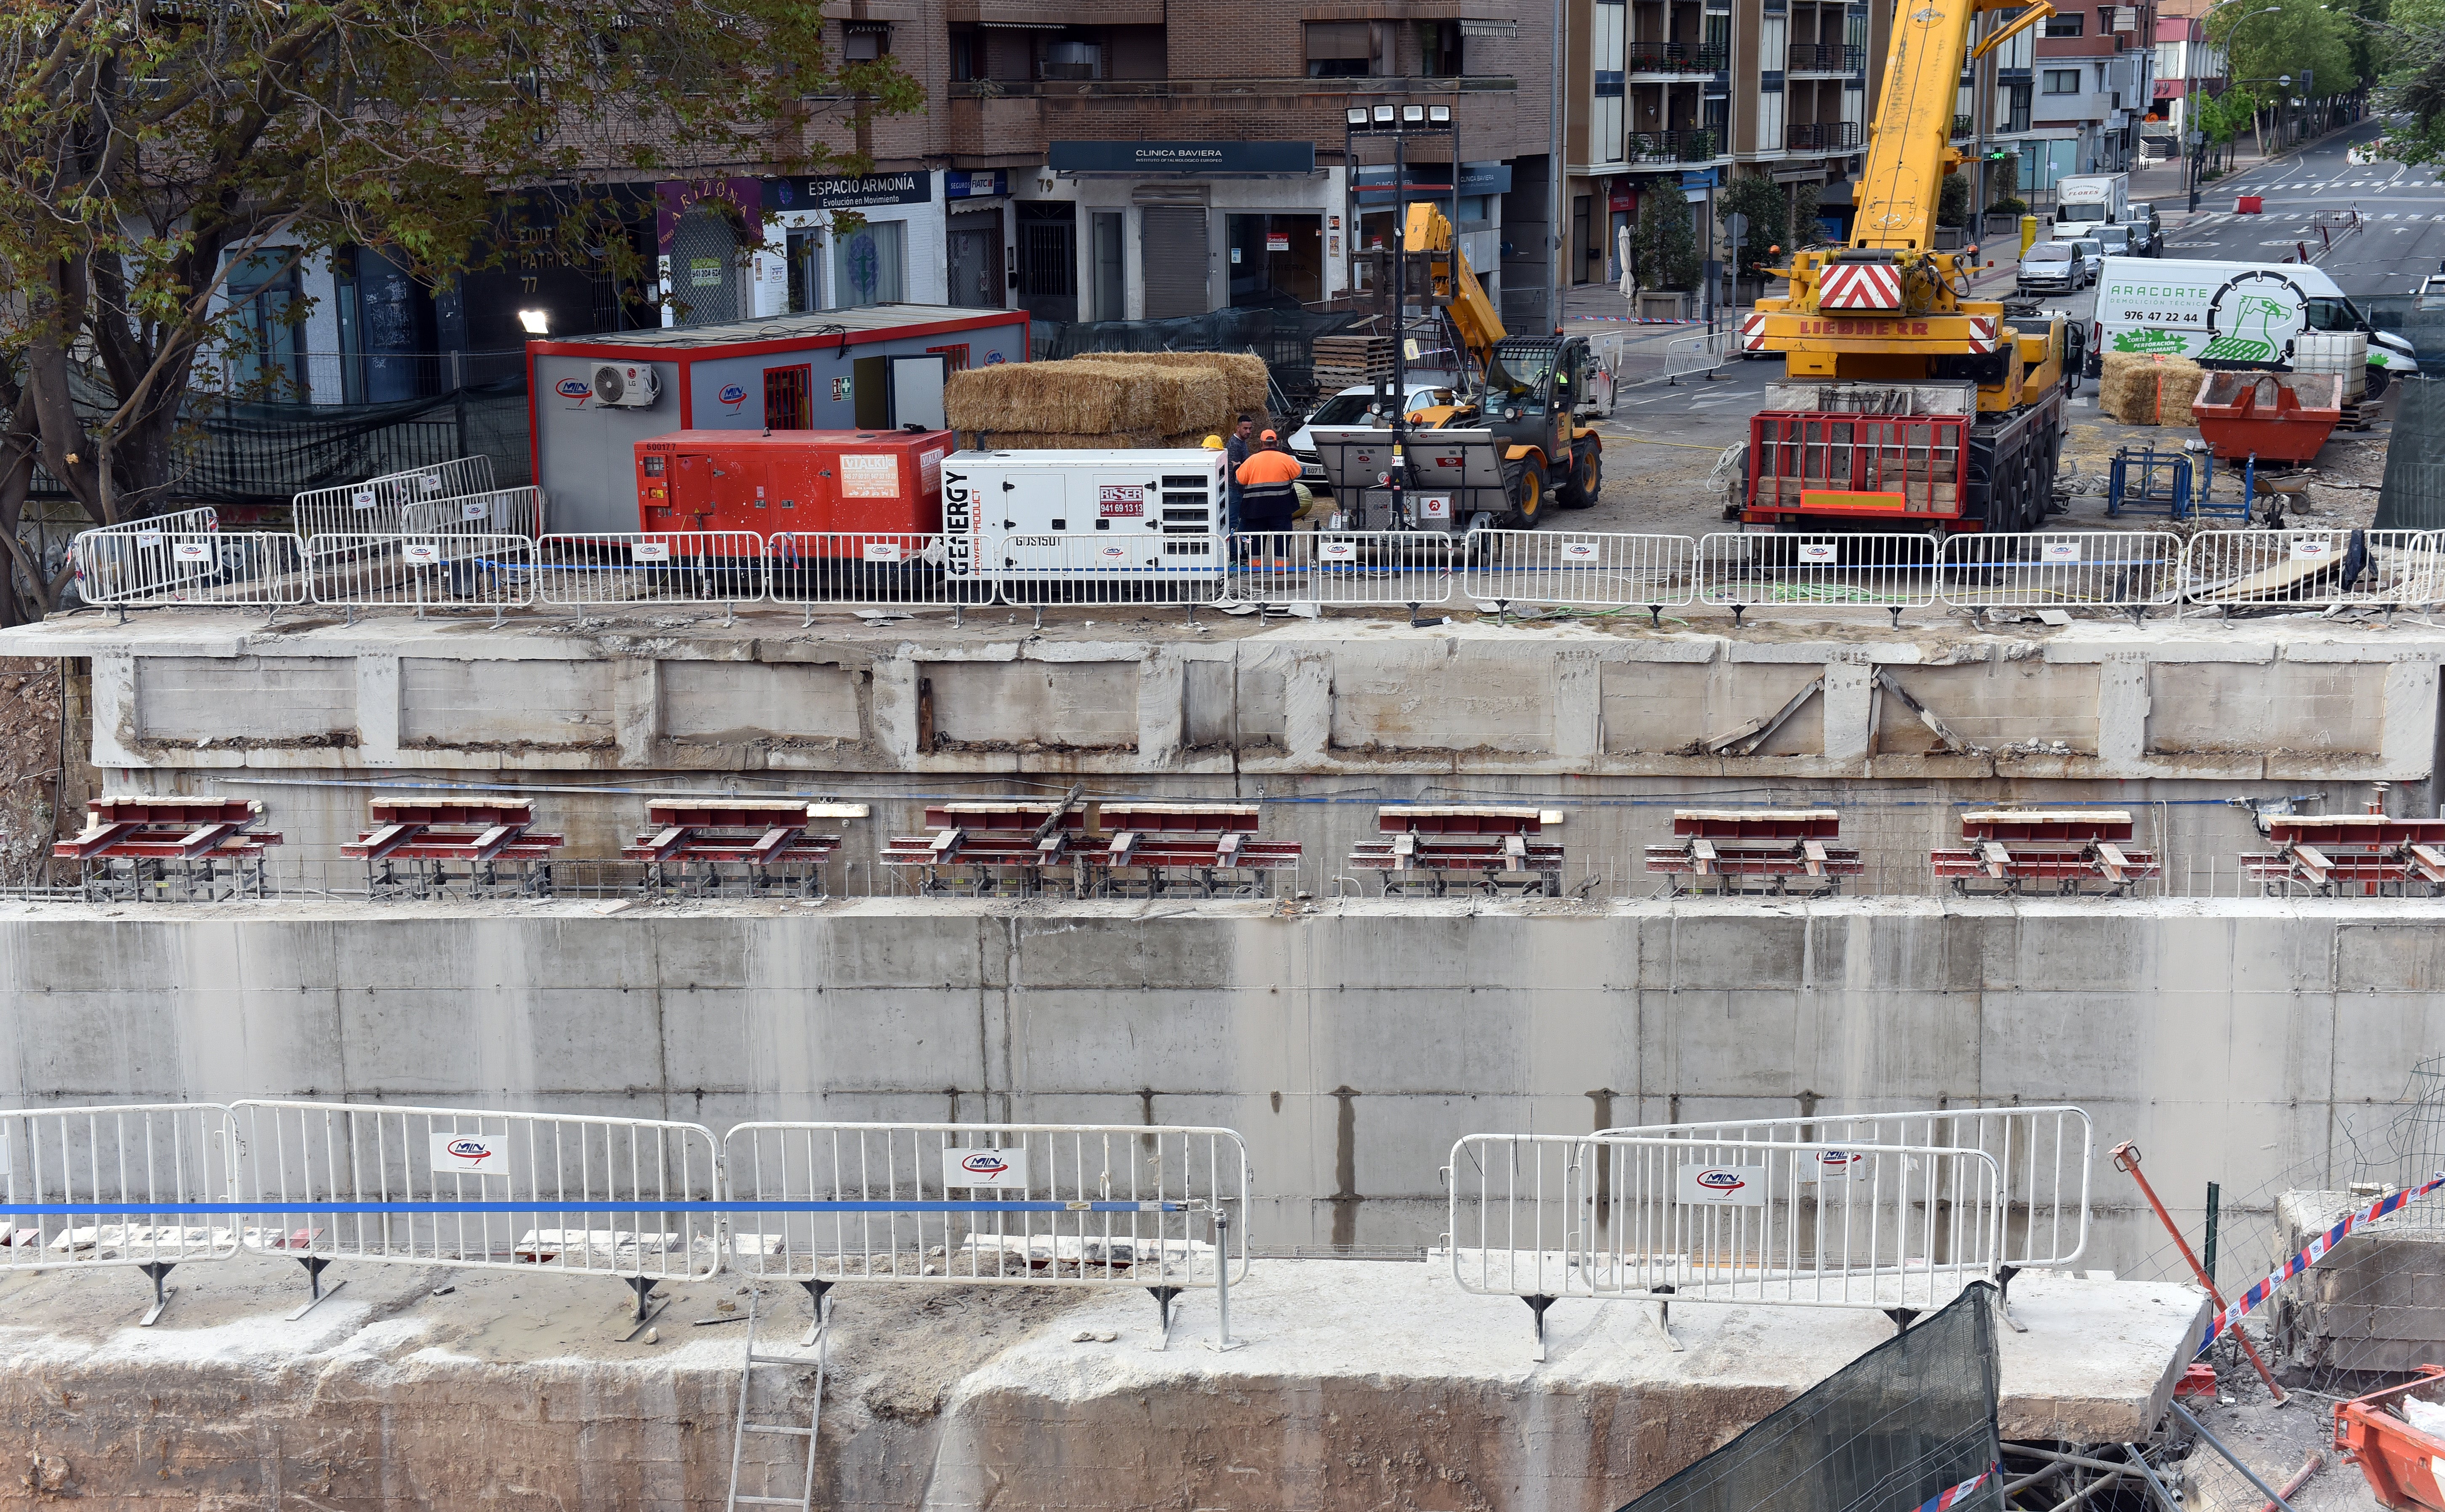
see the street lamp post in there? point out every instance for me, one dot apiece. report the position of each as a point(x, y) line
point(1398, 121)
point(2190, 86)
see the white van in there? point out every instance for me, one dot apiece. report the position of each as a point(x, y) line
point(2231, 314)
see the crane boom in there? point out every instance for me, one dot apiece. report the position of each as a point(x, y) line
point(1472, 314)
point(1910, 142)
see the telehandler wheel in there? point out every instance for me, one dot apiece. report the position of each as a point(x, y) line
point(1587, 479)
point(1528, 494)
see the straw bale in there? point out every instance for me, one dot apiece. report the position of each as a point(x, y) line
point(2142, 389)
point(1080, 398)
point(1244, 372)
point(1056, 441)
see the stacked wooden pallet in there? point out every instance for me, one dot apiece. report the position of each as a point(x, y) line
point(1346, 362)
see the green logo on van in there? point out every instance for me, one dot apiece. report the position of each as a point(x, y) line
point(2158, 341)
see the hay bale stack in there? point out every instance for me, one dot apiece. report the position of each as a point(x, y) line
point(2143, 388)
point(1244, 373)
point(1096, 400)
point(1061, 441)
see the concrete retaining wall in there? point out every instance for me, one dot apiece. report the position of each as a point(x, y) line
point(1321, 719)
point(1352, 1043)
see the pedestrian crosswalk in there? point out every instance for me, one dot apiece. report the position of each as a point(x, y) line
point(2223, 216)
point(2374, 185)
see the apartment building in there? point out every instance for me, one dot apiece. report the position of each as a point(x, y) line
point(2091, 80)
point(2187, 60)
point(1675, 97)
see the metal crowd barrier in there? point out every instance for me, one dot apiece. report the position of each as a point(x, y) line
point(1337, 568)
point(455, 564)
point(1579, 568)
point(2043, 1154)
point(944, 1204)
point(1692, 1216)
point(458, 1187)
point(663, 567)
point(1895, 572)
point(1701, 353)
point(126, 568)
point(875, 568)
point(1892, 1227)
point(2330, 568)
point(100, 1179)
point(421, 572)
point(496, 511)
point(2114, 570)
point(372, 507)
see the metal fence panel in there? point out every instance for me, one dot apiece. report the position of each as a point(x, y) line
point(373, 506)
point(665, 567)
point(2041, 1152)
point(421, 572)
point(128, 566)
point(1341, 567)
point(1577, 566)
point(103, 1168)
point(496, 511)
point(2313, 569)
point(2061, 569)
point(814, 569)
point(1518, 1215)
point(994, 1204)
point(533, 1190)
point(1138, 567)
point(1789, 1224)
point(1895, 572)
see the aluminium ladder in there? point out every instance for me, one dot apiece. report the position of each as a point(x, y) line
point(816, 1335)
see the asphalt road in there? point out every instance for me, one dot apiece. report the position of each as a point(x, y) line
point(2402, 211)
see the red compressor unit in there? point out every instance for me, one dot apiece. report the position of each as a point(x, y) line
point(776, 482)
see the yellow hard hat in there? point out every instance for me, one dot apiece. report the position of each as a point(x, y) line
point(1212, 443)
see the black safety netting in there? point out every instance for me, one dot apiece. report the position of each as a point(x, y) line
point(2413, 496)
point(232, 452)
point(1894, 1428)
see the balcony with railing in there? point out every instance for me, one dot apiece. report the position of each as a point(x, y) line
point(1825, 57)
point(1673, 57)
point(1822, 135)
point(1670, 147)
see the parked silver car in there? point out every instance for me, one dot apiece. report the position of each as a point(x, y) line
point(2092, 258)
point(2049, 267)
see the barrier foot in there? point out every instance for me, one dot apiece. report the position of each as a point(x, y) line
point(1896, 613)
point(1664, 1320)
point(643, 1286)
point(1655, 616)
point(161, 1294)
point(1039, 616)
point(959, 615)
point(819, 1300)
point(2003, 1275)
point(1736, 615)
point(1538, 1306)
point(1902, 1316)
point(314, 1264)
point(1163, 1296)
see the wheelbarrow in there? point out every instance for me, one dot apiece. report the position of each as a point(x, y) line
point(2402, 1465)
point(2273, 416)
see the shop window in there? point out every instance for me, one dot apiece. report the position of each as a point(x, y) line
point(869, 265)
point(1276, 260)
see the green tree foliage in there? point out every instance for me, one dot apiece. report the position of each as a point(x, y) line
point(2409, 43)
point(148, 147)
point(1806, 208)
point(1767, 216)
point(1666, 244)
point(2299, 39)
point(1953, 201)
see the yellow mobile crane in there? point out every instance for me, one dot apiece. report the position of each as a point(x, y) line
point(1908, 405)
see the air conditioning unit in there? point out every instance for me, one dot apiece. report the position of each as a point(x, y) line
point(629, 385)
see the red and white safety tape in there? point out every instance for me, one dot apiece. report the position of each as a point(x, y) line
point(2319, 1248)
